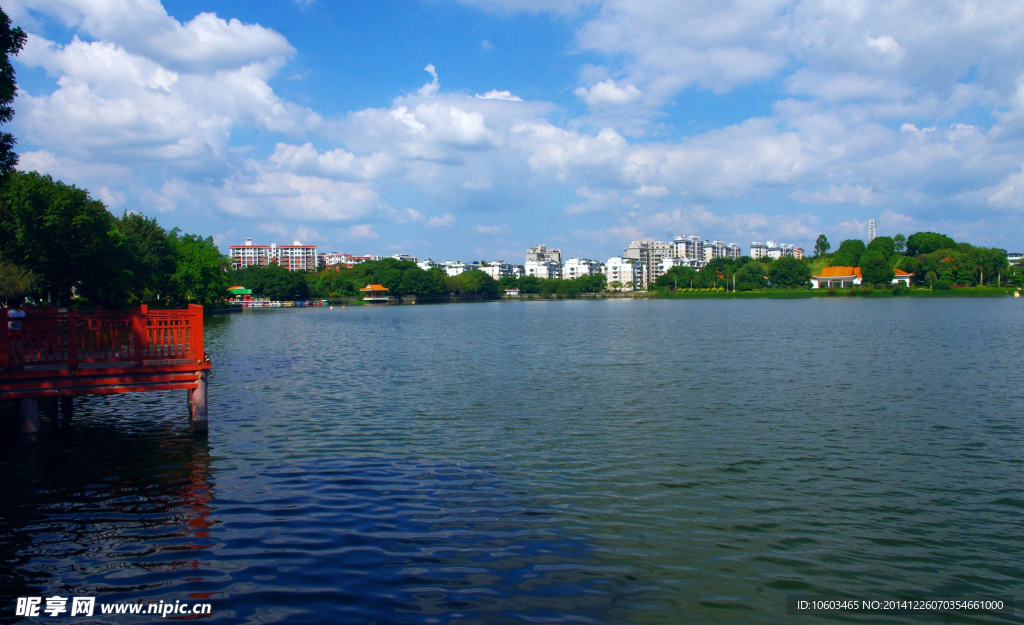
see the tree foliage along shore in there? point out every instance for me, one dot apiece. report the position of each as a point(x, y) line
point(926, 253)
point(64, 244)
point(934, 259)
point(401, 278)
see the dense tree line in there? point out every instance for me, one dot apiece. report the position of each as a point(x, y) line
point(401, 278)
point(531, 285)
point(60, 245)
point(935, 259)
point(745, 273)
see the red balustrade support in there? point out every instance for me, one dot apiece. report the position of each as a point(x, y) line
point(72, 339)
point(5, 345)
point(140, 332)
point(196, 332)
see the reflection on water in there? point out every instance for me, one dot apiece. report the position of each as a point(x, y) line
point(116, 501)
point(544, 462)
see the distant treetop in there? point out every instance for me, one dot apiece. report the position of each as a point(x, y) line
point(928, 242)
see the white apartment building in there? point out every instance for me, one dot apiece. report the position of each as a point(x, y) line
point(542, 253)
point(498, 269)
point(688, 247)
point(405, 257)
point(426, 265)
point(668, 263)
point(718, 249)
point(250, 255)
point(297, 257)
point(576, 267)
point(545, 269)
point(454, 268)
point(713, 249)
point(329, 259)
point(774, 249)
point(629, 272)
point(649, 253)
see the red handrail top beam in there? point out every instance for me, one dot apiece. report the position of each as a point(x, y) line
point(49, 337)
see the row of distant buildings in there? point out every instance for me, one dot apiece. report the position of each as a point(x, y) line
point(643, 262)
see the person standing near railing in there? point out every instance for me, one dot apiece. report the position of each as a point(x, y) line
point(14, 332)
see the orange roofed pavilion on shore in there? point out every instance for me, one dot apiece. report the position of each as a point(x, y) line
point(841, 277)
point(375, 293)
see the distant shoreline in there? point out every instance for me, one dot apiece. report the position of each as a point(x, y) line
point(974, 292)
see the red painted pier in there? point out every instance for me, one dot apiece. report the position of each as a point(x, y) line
point(58, 355)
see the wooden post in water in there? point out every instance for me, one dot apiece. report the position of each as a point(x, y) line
point(49, 406)
point(30, 415)
point(197, 402)
point(67, 408)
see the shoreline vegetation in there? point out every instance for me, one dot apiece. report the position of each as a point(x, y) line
point(982, 292)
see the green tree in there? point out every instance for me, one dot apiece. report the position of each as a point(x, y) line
point(930, 278)
point(788, 271)
point(529, 284)
point(928, 242)
point(15, 282)
point(596, 283)
point(199, 276)
point(884, 245)
point(423, 284)
point(148, 255)
point(676, 277)
point(821, 246)
point(752, 273)
point(64, 236)
point(567, 288)
point(11, 42)
point(475, 282)
point(990, 262)
point(900, 243)
point(848, 254)
point(875, 268)
point(276, 283)
point(707, 277)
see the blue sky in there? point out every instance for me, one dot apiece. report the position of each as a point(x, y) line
point(472, 129)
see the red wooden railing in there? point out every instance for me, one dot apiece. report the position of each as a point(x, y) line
point(73, 338)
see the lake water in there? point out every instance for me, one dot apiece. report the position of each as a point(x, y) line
point(556, 461)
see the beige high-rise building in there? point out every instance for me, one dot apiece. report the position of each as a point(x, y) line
point(649, 253)
point(541, 253)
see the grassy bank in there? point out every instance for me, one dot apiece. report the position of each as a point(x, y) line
point(854, 292)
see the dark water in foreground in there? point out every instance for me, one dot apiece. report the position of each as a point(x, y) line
point(576, 461)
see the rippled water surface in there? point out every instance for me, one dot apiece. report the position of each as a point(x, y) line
point(573, 461)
